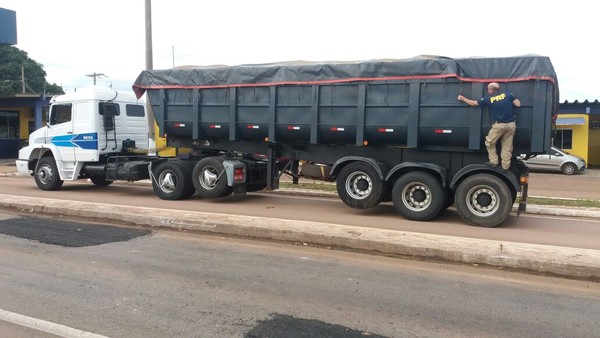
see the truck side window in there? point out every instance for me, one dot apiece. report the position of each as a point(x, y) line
point(111, 109)
point(134, 110)
point(60, 113)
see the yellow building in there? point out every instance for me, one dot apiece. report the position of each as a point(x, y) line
point(19, 116)
point(578, 130)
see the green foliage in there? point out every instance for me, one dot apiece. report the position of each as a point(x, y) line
point(11, 61)
point(564, 202)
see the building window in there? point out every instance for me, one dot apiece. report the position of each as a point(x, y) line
point(9, 124)
point(563, 139)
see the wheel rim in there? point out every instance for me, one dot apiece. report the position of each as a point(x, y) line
point(568, 169)
point(167, 181)
point(45, 174)
point(359, 185)
point(482, 201)
point(208, 178)
point(416, 196)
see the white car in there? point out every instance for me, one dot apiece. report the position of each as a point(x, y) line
point(556, 160)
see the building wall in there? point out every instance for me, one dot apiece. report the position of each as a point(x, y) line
point(580, 141)
point(594, 141)
point(25, 115)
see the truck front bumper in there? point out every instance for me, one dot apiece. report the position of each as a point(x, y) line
point(23, 167)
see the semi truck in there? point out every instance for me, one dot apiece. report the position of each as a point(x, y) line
point(389, 130)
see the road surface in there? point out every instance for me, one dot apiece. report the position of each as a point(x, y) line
point(173, 284)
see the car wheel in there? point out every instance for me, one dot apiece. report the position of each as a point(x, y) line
point(568, 169)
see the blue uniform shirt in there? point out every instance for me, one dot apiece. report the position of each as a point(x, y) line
point(500, 105)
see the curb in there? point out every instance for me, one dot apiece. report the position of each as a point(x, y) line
point(546, 259)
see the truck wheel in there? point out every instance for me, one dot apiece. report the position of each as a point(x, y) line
point(100, 181)
point(172, 180)
point(209, 178)
point(46, 174)
point(483, 200)
point(359, 186)
point(418, 196)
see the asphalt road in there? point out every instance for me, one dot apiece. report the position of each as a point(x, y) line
point(176, 284)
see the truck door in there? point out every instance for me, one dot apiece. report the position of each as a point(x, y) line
point(60, 131)
point(85, 133)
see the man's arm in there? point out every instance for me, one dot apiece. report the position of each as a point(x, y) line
point(473, 103)
point(517, 103)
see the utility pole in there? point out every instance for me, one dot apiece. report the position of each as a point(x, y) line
point(149, 66)
point(95, 75)
point(23, 79)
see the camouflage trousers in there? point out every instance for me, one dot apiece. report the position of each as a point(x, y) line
point(505, 133)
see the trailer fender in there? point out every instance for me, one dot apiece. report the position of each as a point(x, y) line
point(473, 169)
point(379, 166)
point(411, 166)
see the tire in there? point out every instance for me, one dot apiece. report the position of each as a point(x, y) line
point(359, 186)
point(209, 178)
point(172, 180)
point(483, 200)
point(46, 174)
point(100, 181)
point(568, 169)
point(418, 196)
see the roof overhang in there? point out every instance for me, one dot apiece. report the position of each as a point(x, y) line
point(570, 121)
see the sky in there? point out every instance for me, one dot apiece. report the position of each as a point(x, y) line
point(75, 38)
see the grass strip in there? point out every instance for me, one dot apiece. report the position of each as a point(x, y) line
point(564, 202)
point(328, 187)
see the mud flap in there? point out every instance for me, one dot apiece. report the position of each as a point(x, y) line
point(523, 201)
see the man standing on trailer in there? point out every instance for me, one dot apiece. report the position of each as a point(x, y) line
point(503, 127)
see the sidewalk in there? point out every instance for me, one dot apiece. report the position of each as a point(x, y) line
point(7, 167)
point(553, 260)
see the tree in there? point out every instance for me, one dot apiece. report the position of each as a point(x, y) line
point(11, 61)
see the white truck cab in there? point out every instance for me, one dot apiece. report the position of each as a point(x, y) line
point(83, 128)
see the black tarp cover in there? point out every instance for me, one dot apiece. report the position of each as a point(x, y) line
point(475, 69)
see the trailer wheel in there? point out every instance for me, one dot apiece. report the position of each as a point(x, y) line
point(46, 174)
point(359, 186)
point(209, 178)
point(483, 200)
point(418, 196)
point(172, 180)
point(100, 181)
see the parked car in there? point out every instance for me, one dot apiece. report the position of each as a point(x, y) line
point(556, 160)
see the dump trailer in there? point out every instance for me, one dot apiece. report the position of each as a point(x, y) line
point(388, 129)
